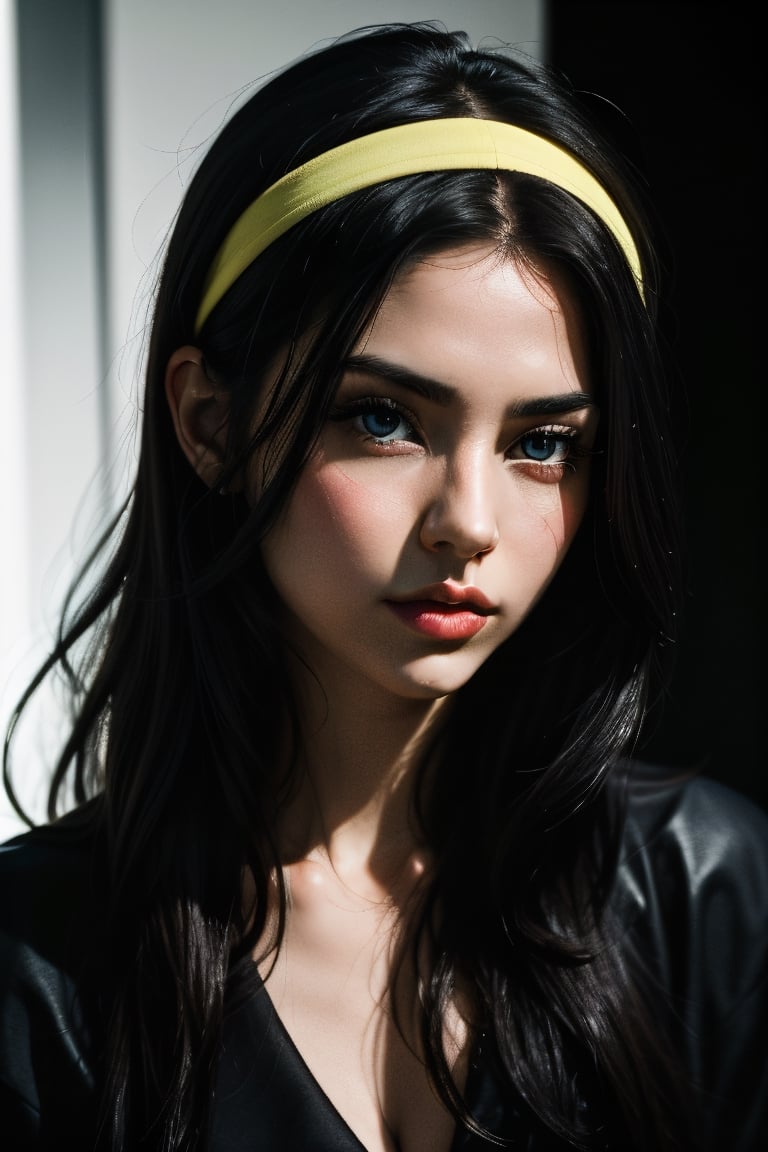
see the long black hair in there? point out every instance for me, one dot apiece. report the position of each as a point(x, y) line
point(181, 691)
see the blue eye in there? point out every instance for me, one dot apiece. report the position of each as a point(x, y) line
point(545, 446)
point(377, 420)
point(383, 423)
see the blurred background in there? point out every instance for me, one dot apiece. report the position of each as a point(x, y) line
point(105, 109)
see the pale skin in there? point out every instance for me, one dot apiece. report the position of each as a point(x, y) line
point(438, 472)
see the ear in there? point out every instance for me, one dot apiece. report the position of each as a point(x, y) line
point(199, 410)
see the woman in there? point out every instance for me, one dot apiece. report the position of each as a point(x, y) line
point(360, 858)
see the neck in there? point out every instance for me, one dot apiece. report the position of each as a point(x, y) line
point(354, 804)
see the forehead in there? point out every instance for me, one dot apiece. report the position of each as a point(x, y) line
point(470, 313)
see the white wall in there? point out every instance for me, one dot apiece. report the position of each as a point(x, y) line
point(14, 604)
point(173, 70)
point(53, 394)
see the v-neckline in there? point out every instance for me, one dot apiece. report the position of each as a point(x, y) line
point(265, 1034)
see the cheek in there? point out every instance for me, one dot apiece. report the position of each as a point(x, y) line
point(334, 522)
point(363, 505)
point(548, 518)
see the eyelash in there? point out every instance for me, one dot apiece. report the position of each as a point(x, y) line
point(355, 410)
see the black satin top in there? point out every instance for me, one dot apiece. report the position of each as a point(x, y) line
point(692, 889)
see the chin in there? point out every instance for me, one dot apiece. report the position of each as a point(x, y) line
point(434, 684)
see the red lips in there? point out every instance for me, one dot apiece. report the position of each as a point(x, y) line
point(445, 611)
point(449, 593)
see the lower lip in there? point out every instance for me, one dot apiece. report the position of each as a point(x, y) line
point(440, 621)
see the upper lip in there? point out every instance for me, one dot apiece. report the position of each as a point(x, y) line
point(449, 593)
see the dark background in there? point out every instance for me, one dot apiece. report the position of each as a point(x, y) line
point(683, 75)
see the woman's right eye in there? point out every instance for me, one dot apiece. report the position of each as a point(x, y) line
point(378, 420)
point(384, 424)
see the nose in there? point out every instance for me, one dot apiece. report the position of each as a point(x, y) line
point(462, 515)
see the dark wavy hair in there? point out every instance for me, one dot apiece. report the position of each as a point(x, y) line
point(181, 688)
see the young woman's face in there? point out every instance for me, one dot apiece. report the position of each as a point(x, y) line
point(447, 484)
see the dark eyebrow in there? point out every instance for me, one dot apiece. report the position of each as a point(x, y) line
point(444, 394)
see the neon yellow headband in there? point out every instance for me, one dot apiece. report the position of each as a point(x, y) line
point(426, 146)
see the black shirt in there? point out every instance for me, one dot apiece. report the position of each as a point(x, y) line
point(692, 889)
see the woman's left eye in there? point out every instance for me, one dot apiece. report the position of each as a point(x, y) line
point(545, 445)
